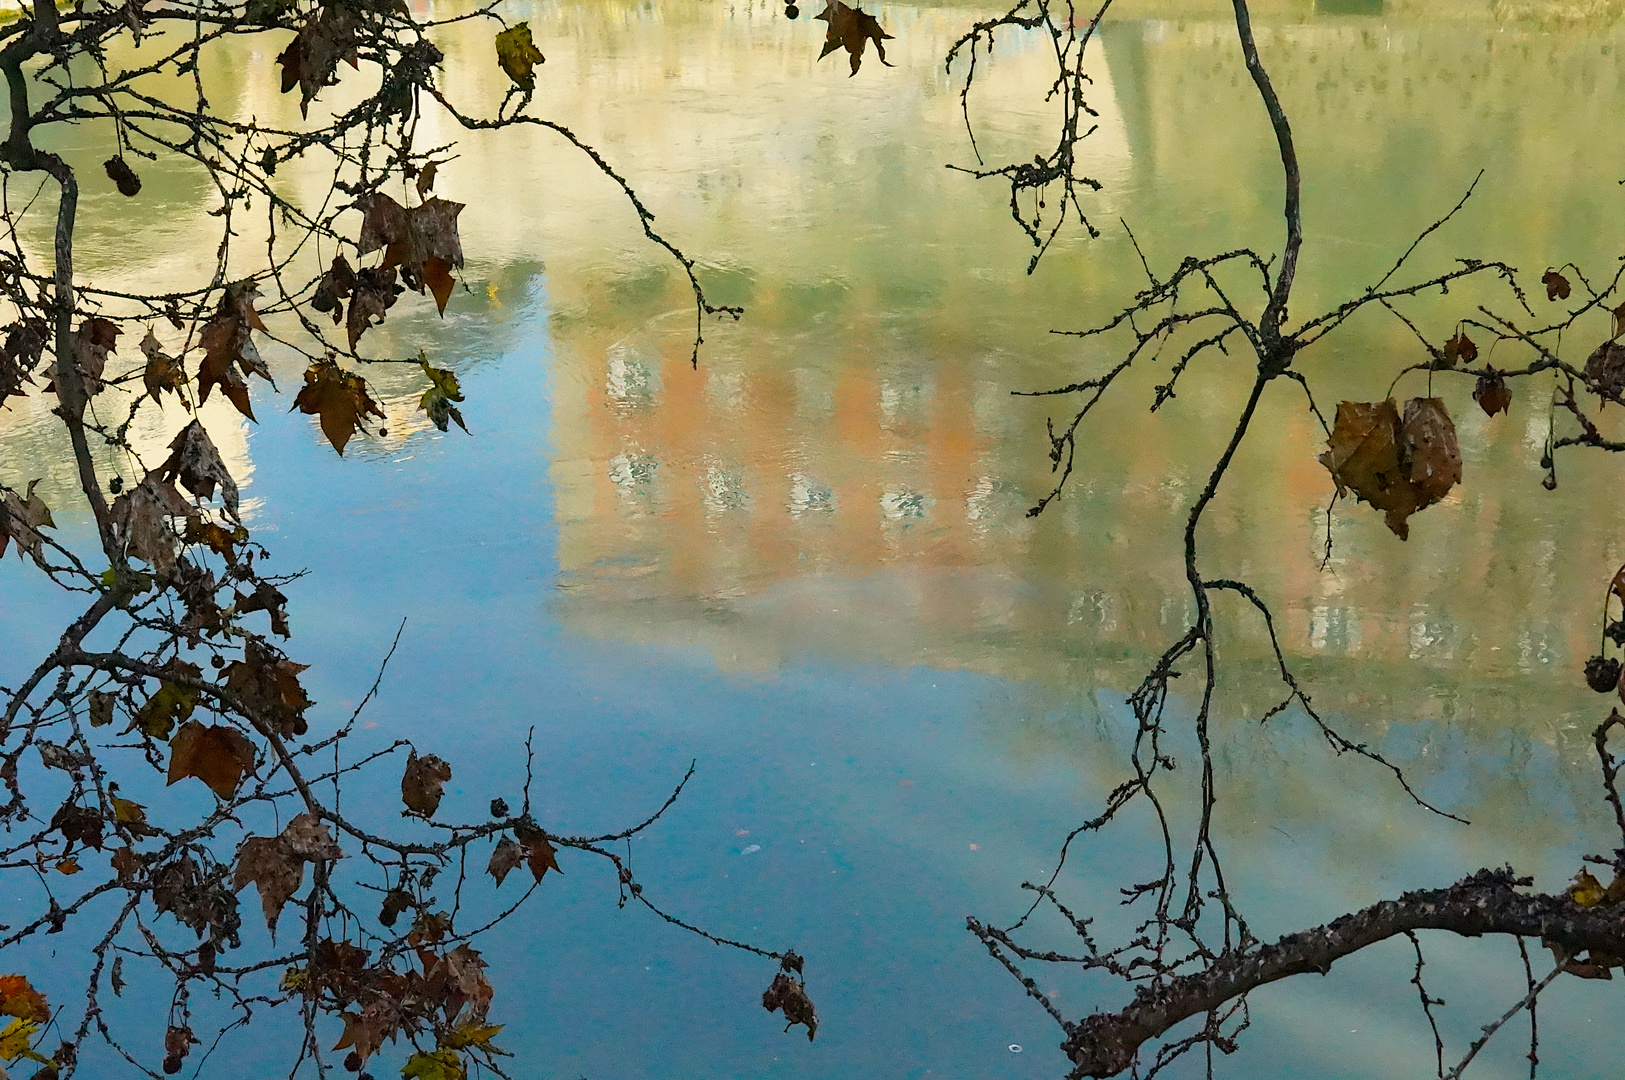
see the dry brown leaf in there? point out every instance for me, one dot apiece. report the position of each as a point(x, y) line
point(1492, 395)
point(22, 516)
point(507, 856)
point(337, 397)
point(196, 463)
point(163, 372)
point(789, 996)
point(219, 756)
point(851, 29)
point(1557, 286)
point(141, 520)
point(1428, 439)
point(309, 839)
point(311, 59)
point(1398, 467)
point(268, 683)
point(1605, 370)
point(375, 293)
point(274, 869)
point(422, 783)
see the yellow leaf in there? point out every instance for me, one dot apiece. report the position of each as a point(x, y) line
point(478, 1035)
point(68, 866)
point(14, 1040)
point(1586, 891)
point(439, 1065)
point(126, 811)
point(518, 55)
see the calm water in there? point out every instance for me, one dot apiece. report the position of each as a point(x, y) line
point(807, 565)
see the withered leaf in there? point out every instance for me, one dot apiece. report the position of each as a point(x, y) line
point(311, 59)
point(1460, 348)
point(507, 856)
point(22, 516)
point(53, 756)
point(268, 684)
point(437, 401)
point(228, 343)
point(172, 704)
point(92, 342)
point(422, 241)
point(1619, 320)
point(1492, 394)
point(1428, 444)
point(196, 463)
point(365, 1032)
point(163, 372)
point(219, 756)
point(789, 996)
point(1557, 286)
point(78, 825)
point(422, 783)
point(466, 972)
point(375, 293)
point(309, 839)
point(1397, 467)
point(269, 599)
point(101, 708)
point(540, 856)
point(338, 398)
point(425, 182)
point(1605, 370)
point(141, 520)
point(119, 171)
point(19, 998)
point(518, 55)
point(274, 869)
point(334, 288)
point(395, 902)
point(851, 29)
point(126, 864)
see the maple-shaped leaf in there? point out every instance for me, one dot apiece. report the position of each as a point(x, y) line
point(425, 181)
point(470, 1033)
point(163, 372)
point(269, 599)
point(851, 29)
point(311, 59)
point(268, 683)
point(126, 864)
point(219, 756)
point(507, 856)
point(309, 839)
point(334, 288)
point(276, 871)
point(22, 516)
point(1557, 286)
point(141, 521)
point(1460, 347)
point(437, 401)
point(195, 462)
point(518, 55)
point(216, 537)
point(365, 1032)
point(92, 342)
point(1492, 394)
point(172, 703)
point(15, 1040)
point(15, 373)
point(19, 998)
point(423, 782)
point(228, 345)
point(422, 241)
point(540, 855)
point(337, 397)
point(374, 294)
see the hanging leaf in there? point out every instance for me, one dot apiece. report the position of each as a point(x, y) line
point(852, 29)
point(1460, 348)
point(275, 870)
point(423, 782)
point(422, 241)
point(311, 59)
point(228, 346)
point(142, 521)
point(196, 463)
point(1492, 395)
point(789, 996)
point(443, 391)
point(337, 397)
point(507, 856)
point(334, 288)
point(1398, 467)
point(163, 372)
point(268, 684)
point(1557, 286)
point(375, 293)
point(21, 519)
point(434, 1065)
point(172, 704)
point(1605, 370)
point(425, 182)
point(1586, 890)
point(219, 756)
point(119, 171)
point(518, 55)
